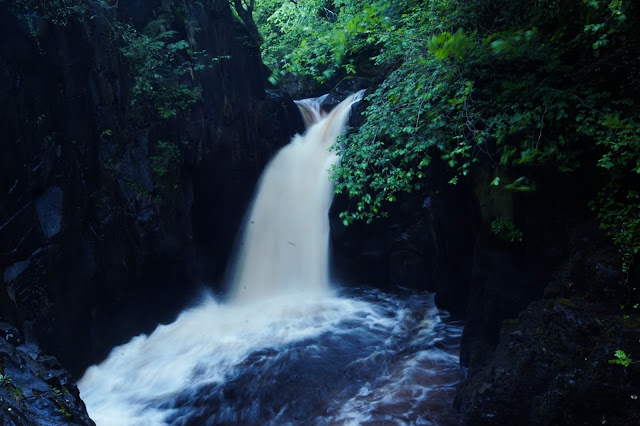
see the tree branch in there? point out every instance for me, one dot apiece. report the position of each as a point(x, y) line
point(246, 16)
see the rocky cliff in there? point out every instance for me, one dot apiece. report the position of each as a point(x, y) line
point(112, 215)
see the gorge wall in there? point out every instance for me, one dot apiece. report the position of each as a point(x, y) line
point(96, 243)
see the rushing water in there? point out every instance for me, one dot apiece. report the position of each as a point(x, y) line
point(363, 357)
point(285, 348)
point(285, 246)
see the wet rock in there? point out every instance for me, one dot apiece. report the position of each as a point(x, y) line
point(49, 208)
point(501, 287)
point(552, 364)
point(34, 388)
point(552, 367)
point(346, 87)
point(13, 271)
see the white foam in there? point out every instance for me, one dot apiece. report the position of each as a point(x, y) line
point(212, 339)
point(285, 247)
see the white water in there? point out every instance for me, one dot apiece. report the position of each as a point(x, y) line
point(283, 349)
point(364, 359)
point(200, 347)
point(286, 243)
point(311, 110)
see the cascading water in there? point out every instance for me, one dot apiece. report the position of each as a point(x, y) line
point(284, 349)
point(286, 243)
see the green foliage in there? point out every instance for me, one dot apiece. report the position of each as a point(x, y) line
point(618, 211)
point(313, 38)
point(162, 66)
point(445, 45)
point(5, 380)
point(166, 155)
point(622, 359)
point(527, 86)
point(522, 184)
point(58, 12)
point(617, 205)
point(158, 67)
point(506, 230)
point(65, 412)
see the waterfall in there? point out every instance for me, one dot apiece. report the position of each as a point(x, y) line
point(283, 349)
point(311, 110)
point(285, 247)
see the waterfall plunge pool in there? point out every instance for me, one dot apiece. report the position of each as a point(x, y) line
point(361, 357)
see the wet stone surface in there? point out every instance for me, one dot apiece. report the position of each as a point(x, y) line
point(35, 389)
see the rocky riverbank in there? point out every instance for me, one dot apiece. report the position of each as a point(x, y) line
point(35, 389)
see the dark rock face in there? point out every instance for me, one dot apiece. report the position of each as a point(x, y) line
point(551, 367)
point(35, 389)
point(507, 276)
point(95, 247)
point(422, 246)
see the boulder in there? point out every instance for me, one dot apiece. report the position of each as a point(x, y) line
point(35, 389)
